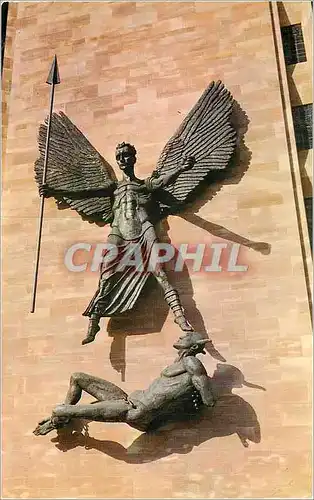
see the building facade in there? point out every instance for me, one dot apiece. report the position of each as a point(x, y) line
point(130, 71)
point(296, 29)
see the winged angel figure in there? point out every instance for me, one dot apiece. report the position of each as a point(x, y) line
point(78, 177)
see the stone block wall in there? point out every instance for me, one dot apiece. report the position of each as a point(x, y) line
point(131, 71)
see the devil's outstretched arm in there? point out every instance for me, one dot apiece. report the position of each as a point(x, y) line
point(200, 379)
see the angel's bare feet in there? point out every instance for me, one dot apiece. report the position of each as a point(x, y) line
point(93, 329)
point(183, 324)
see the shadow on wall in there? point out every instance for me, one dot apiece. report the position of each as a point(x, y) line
point(295, 97)
point(143, 318)
point(230, 415)
point(306, 181)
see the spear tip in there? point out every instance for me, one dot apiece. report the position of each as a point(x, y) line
point(54, 77)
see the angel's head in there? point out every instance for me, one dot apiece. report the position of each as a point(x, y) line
point(125, 155)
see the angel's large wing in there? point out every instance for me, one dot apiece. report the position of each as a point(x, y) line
point(206, 134)
point(74, 166)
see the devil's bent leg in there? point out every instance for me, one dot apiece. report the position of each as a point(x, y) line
point(100, 389)
point(105, 411)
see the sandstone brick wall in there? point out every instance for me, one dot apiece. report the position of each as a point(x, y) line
point(7, 73)
point(131, 71)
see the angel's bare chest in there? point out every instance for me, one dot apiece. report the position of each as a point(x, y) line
point(131, 208)
point(131, 192)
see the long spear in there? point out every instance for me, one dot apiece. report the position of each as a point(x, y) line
point(53, 79)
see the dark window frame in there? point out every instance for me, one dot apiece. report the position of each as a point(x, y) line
point(303, 126)
point(4, 17)
point(308, 202)
point(293, 44)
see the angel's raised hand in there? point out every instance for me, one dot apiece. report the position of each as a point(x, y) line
point(187, 163)
point(44, 191)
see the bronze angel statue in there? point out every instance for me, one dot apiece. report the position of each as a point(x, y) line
point(79, 177)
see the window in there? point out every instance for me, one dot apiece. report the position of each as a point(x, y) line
point(302, 122)
point(293, 44)
point(4, 15)
point(309, 215)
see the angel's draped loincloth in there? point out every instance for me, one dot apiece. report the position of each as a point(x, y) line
point(119, 288)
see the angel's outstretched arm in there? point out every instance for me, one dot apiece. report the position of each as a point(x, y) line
point(156, 180)
point(47, 191)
